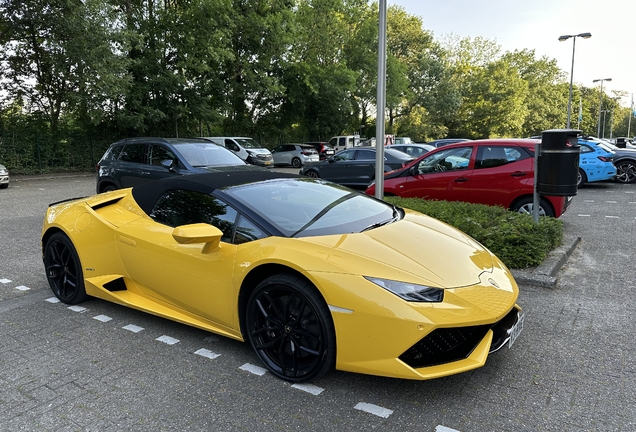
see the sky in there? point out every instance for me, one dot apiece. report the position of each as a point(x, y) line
point(537, 25)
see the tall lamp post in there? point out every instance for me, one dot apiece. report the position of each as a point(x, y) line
point(600, 104)
point(564, 38)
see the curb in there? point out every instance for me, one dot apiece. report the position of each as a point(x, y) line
point(26, 177)
point(544, 275)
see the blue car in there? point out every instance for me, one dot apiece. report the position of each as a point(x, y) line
point(595, 163)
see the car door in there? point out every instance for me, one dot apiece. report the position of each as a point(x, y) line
point(180, 274)
point(337, 168)
point(280, 155)
point(362, 168)
point(132, 167)
point(444, 175)
point(158, 154)
point(501, 174)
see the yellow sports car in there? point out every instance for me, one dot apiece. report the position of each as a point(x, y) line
point(314, 275)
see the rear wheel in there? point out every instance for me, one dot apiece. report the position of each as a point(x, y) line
point(526, 206)
point(289, 326)
point(581, 179)
point(626, 172)
point(63, 269)
point(312, 174)
point(296, 163)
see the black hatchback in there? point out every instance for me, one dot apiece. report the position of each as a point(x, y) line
point(134, 161)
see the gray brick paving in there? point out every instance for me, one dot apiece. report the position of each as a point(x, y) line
point(572, 369)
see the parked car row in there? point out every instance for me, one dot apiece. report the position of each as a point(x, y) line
point(4, 177)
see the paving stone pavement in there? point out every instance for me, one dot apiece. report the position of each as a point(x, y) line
point(572, 368)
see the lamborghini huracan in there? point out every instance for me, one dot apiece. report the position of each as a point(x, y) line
point(315, 276)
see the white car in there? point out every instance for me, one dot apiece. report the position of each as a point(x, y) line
point(4, 177)
point(414, 150)
point(295, 155)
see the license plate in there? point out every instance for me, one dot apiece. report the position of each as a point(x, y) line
point(515, 331)
point(268, 163)
point(329, 152)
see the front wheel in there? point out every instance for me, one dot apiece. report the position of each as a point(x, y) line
point(626, 172)
point(289, 326)
point(63, 269)
point(581, 179)
point(526, 206)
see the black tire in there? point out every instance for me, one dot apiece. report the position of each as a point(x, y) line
point(526, 206)
point(296, 163)
point(625, 171)
point(108, 188)
point(4, 186)
point(312, 174)
point(64, 270)
point(289, 326)
point(581, 179)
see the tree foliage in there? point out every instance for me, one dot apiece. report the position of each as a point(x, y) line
point(78, 74)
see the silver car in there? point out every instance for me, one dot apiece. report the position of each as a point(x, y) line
point(295, 155)
point(414, 150)
point(4, 177)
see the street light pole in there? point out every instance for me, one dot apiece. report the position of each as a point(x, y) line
point(564, 38)
point(600, 104)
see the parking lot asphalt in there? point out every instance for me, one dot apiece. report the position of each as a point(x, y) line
point(105, 367)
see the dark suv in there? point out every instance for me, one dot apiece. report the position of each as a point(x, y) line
point(324, 150)
point(134, 161)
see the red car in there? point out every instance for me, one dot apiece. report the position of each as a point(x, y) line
point(493, 172)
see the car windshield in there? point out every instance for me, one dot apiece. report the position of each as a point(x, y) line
point(208, 154)
point(248, 143)
point(309, 207)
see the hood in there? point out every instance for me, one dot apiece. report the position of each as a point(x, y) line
point(417, 249)
point(258, 151)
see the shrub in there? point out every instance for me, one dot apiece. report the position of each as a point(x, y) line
point(513, 237)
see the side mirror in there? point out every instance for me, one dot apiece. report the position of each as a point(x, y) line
point(168, 164)
point(199, 233)
point(413, 170)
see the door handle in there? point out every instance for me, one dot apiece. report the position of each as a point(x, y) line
point(460, 180)
point(518, 174)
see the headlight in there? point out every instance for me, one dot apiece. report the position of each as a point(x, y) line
point(410, 292)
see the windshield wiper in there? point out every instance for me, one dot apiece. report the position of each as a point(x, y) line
point(394, 218)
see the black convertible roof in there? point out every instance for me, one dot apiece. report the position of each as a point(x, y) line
point(147, 194)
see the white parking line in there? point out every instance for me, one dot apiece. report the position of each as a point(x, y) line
point(22, 288)
point(374, 409)
point(309, 388)
point(612, 217)
point(5, 281)
point(629, 192)
point(133, 328)
point(168, 340)
point(588, 201)
point(102, 318)
point(582, 215)
point(53, 300)
point(207, 353)
point(256, 370)
point(77, 308)
point(611, 202)
point(440, 428)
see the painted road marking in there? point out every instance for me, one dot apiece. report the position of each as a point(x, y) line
point(22, 288)
point(440, 428)
point(256, 370)
point(102, 318)
point(206, 353)
point(309, 388)
point(612, 217)
point(5, 281)
point(133, 328)
point(167, 340)
point(374, 409)
point(77, 308)
point(53, 300)
point(588, 201)
point(582, 215)
point(611, 202)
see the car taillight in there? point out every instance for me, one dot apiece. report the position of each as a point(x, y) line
point(97, 168)
point(605, 158)
point(306, 153)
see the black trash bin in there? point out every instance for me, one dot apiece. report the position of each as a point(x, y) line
point(558, 162)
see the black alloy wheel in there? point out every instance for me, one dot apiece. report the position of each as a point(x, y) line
point(289, 326)
point(581, 179)
point(626, 171)
point(63, 269)
point(296, 163)
point(312, 174)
